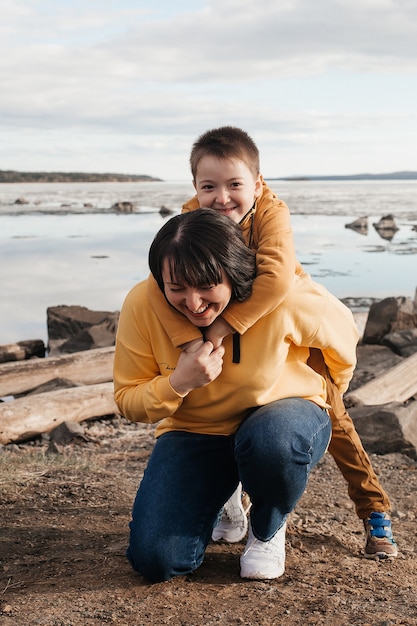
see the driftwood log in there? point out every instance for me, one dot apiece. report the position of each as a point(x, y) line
point(398, 384)
point(27, 417)
point(83, 368)
point(22, 350)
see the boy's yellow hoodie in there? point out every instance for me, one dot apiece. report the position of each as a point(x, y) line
point(272, 364)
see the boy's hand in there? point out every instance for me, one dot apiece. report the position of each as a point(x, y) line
point(218, 331)
point(197, 367)
point(192, 346)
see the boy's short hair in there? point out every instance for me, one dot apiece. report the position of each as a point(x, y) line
point(226, 142)
point(200, 247)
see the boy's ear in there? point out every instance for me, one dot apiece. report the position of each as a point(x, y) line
point(258, 186)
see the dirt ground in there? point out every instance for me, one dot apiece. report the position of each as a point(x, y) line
point(65, 511)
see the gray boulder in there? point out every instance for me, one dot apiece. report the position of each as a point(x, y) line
point(76, 328)
point(387, 428)
point(387, 316)
point(402, 342)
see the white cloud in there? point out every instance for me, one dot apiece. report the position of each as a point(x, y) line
point(128, 85)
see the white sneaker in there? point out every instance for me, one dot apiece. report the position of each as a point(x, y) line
point(233, 524)
point(263, 560)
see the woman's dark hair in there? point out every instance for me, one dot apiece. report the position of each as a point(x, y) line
point(199, 246)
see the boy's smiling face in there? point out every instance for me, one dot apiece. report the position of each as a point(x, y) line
point(227, 186)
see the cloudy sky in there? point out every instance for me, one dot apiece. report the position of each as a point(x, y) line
point(323, 86)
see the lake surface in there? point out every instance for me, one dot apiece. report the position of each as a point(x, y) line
point(67, 246)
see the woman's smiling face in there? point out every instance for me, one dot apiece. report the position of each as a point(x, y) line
point(201, 305)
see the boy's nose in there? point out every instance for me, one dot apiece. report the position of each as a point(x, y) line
point(222, 196)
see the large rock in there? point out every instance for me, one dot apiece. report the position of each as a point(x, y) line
point(76, 328)
point(387, 428)
point(387, 316)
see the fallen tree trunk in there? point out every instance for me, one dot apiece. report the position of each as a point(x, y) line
point(83, 368)
point(28, 417)
point(397, 384)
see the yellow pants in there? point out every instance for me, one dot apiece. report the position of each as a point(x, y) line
point(347, 450)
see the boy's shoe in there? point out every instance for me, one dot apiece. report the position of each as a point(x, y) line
point(264, 560)
point(233, 524)
point(380, 543)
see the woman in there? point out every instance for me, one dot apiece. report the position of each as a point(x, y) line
point(250, 410)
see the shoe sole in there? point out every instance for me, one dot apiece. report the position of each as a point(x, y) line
point(380, 556)
point(259, 576)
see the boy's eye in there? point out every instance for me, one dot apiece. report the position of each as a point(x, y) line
point(207, 187)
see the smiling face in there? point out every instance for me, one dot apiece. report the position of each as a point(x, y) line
point(201, 305)
point(227, 186)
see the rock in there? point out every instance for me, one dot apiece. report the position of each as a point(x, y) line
point(76, 328)
point(373, 361)
point(164, 211)
point(21, 201)
point(66, 432)
point(386, 227)
point(387, 428)
point(402, 342)
point(389, 315)
point(123, 207)
point(360, 225)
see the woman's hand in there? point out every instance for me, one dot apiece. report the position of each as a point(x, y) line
point(197, 367)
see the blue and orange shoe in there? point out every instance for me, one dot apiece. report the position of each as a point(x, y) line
point(380, 543)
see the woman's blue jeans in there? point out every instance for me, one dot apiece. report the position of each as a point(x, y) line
point(190, 476)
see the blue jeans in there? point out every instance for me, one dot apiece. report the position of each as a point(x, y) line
point(190, 476)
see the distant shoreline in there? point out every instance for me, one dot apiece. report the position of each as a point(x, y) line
point(12, 176)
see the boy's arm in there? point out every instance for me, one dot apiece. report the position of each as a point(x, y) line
point(275, 262)
point(276, 266)
point(180, 330)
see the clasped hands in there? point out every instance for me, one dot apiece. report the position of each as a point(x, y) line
point(201, 361)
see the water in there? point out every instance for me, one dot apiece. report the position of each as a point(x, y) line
point(66, 246)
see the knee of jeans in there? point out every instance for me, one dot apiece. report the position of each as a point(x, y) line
point(159, 557)
point(151, 561)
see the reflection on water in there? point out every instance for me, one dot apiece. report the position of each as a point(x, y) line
point(93, 258)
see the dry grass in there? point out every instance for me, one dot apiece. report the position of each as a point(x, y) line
point(19, 468)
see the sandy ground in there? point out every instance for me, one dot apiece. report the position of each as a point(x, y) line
point(65, 513)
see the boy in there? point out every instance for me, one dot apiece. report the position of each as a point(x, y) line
point(226, 176)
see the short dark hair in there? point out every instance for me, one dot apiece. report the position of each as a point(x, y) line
point(200, 246)
point(226, 142)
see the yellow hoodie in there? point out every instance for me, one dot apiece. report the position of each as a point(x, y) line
point(272, 366)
